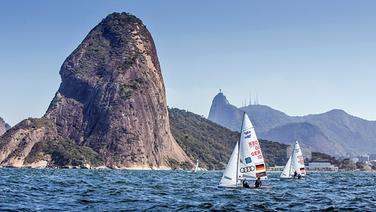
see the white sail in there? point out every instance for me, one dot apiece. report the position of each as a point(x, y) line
point(286, 173)
point(295, 163)
point(300, 159)
point(229, 175)
point(196, 168)
point(251, 160)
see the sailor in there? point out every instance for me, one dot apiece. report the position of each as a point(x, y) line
point(295, 174)
point(245, 184)
point(258, 182)
point(299, 176)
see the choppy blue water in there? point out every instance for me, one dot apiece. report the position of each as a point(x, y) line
point(114, 190)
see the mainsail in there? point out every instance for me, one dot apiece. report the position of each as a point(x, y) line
point(247, 161)
point(295, 163)
point(287, 171)
point(229, 178)
point(300, 159)
point(196, 168)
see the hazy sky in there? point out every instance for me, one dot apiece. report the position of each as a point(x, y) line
point(298, 56)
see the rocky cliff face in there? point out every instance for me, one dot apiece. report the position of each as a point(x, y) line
point(35, 143)
point(3, 126)
point(225, 114)
point(112, 99)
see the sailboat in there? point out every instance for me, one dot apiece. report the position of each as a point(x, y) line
point(294, 164)
point(196, 168)
point(246, 161)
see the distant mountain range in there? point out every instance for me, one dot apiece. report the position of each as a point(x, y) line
point(3, 126)
point(335, 132)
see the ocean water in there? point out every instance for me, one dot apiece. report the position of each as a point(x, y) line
point(115, 190)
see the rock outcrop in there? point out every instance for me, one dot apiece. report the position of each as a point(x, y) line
point(111, 100)
point(3, 126)
point(224, 113)
point(35, 143)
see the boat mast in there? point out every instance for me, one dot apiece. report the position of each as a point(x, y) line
point(237, 163)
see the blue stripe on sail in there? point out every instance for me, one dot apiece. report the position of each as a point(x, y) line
point(228, 178)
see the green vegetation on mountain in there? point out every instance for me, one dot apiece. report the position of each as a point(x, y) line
point(212, 144)
point(64, 153)
point(345, 164)
point(275, 153)
point(174, 164)
point(127, 89)
point(201, 139)
point(318, 156)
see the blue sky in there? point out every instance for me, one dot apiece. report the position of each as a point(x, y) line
point(301, 57)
